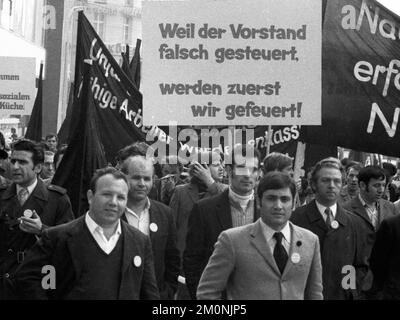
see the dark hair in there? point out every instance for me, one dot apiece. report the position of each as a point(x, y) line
point(30, 146)
point(390, 169)
point(353, 164)
point(135, 149)
point(51, 135)
point(246, 150)
point(326, 163)
point(117, 174)
point(276, 161)
point(276, 180)
point(2, 141)
point(371, 172)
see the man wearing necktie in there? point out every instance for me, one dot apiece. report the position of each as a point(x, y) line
point(270, 259)
point(27, 207)
point(340, 233)
point(371, 209)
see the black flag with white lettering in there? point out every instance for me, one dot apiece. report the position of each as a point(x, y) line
point(118, 104)
point(360, 78)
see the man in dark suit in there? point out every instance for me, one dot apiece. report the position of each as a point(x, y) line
point(27, 208)
point(96, 257)
point(209, 217)
point(371, 208)
point(270, 259)
point(385, 260)
point(154, 219)
point(339, 232)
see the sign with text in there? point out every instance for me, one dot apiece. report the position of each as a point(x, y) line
point(232, 63)
point(17, 85)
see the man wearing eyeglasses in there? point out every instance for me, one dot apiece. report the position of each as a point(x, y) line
point(339, 231)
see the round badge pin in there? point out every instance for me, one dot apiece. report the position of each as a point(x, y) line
point(295, 257)
point(335, 224)
point(137, 261)
point(28, 213)
point(153, 227)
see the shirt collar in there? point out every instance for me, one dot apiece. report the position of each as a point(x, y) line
point(30, 188)
point(322, 208)
point(269, 232)
point(146, 208)
point(93, 226)
point(364, 204)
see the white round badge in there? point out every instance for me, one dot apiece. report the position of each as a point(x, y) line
point(153, 227)
point(28, 213)
point(295, 257)
point(137, 261)
point(334, 224)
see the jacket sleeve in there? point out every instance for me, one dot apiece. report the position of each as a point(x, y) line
point(194, 253)
point(215, 277)
point(29, 276)
point(313, 289)
point(149, 288)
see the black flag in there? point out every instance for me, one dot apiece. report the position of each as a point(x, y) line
point(135, 65)
point(85, 153)
point(63, 133)
point(34, 130)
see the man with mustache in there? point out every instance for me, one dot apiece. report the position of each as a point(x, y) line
point(27, 208)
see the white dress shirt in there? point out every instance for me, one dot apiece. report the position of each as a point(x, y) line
point(322, 209)
point(29, 188)
point(98, 234)
point(269, 236)
point(142, 221)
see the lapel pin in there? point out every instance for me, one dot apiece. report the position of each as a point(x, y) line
point(295, 258)
point(28, 213)
point(298, 243)
point(153, 227)
point(334, 224)
point(137, 261)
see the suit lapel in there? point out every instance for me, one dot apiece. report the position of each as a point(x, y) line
point(359, 210)
point(295, 238)
point(315, 217)
point(74, 243)
point(224, 211)
point(154, 218)
point(259, 242)
point(37, 199)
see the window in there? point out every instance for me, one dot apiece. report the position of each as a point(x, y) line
point(99, 21)
point(126, 30)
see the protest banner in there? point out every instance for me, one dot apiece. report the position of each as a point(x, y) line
point(233, 63)
point(17, 85)
point(360, 78)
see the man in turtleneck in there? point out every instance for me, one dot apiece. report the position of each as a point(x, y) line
point(209, 217)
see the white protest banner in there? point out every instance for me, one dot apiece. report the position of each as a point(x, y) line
point(17, 85)
point(232, 62)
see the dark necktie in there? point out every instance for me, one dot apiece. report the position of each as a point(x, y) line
point(280, 253)
point(329, 218)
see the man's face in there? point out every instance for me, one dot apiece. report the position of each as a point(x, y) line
point(374, 190)
point(276, 207)
point(352, 179)
point(23, 170)
point(140, 176)
point(108, 203)
point(216, 167)
point(244, 175)
point(52, 143)
point(289, 171)
point(327, 186)
point(47, 170)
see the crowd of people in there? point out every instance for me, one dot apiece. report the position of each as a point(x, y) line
point(204, 230)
